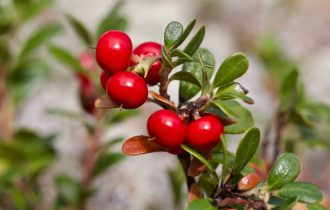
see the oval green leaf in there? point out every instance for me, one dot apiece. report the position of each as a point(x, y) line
point(246, 149)
point(285, 170)
point(232, 68)
point(185, 34)
point(305, 192)
point(172, 33)
point(236, 111)
point(195, 42)
point(187, 77)
point(287, 204)
point(189, 90)
point(232, 91)
point(201, 204)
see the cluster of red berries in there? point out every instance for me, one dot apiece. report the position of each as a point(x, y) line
point(128, 89)
point(170, 131)
point(115, 56)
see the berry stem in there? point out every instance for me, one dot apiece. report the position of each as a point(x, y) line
point(6, 109)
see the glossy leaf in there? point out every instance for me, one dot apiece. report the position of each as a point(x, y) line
point(186, 77)
point(105, 161)
point(214, 110)
point(162, 101)
point(240, 114)
point(288, 91)
point(65, 57)
point(39, 38)
point(172, 33)
point(201, 204)
point(232, 91)
point(189, 90)
point(195, 42)
point(80, 29)
point(305, 192)
point(246, 149)
point(185, 34)
point(113, 20)
point(315, 207)
point(232, 68)
point(285, 170)
point(139, 145)
point(123, 115)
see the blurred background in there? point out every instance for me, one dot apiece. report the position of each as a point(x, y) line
point(274, 34)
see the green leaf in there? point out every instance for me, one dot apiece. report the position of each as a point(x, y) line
point(113, 20)
point(39, 38)
point(201, 204)
point(186, 77)
point(172, 33)
point(80, 29)
point(189, 90)
point(287, 204)
point(185, 34)
point(105, 161)
point(4, 52)
point(305, 192)
point(285, 170)
point(232, 91)
point(184, 57)
point(65, 57)
point(240, 114)
point(288, 91)
point(246, 149)
point(315, 207)
point(195, 42)
point(207, 182)
point(24, 78)
point(232, 68)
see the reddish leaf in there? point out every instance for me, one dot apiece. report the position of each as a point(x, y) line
point(231, 201)
point(104, 103)
point(196, 167)
point(161, 100)
point(138, 145)
point(195, 193)
point(248, 182)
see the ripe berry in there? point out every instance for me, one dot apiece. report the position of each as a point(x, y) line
point(127, 89)
point(150, 49)
point(113, 51)
point(204, 133)
point(104, 78)
point(167, 127)
point(86, 60)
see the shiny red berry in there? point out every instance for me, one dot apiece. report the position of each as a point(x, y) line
point(167, 127)
point(113, 51)
point(204, 133)
point(104, 78)
point(150, 49)
point(127, 89)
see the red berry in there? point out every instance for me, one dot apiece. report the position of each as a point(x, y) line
point(104, 78)
point(150, 49)
point(87, 92)
point(127, 89)
point(204, 133)
point(167, 127)
point(113, 51)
